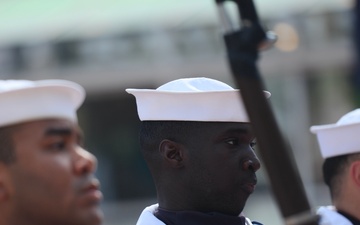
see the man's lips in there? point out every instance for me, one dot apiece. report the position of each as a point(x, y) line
point(249, 185)
point(91, 193)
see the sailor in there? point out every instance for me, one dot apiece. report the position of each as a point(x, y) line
point(198, 142)
point(46, 175)
point(340, 147)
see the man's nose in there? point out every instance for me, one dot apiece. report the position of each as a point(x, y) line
point(251, 164)
point(85, 162)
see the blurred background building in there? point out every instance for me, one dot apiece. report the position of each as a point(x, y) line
point(108, 45)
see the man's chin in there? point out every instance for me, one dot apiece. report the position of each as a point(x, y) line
point(92, 216)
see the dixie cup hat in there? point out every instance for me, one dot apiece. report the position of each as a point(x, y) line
point(25, 100)
point(340, 138)
point(191, 99)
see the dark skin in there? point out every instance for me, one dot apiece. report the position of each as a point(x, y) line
point(211, 170)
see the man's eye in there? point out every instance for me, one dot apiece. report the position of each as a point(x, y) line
point(232, 142)
point(252, 144)
point(58, 146)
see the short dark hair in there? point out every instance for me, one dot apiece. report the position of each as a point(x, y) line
point(7, 149)
point(333, 170)
point(153, 132)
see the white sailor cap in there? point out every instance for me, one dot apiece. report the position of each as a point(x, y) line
point(25, 100)
point(191, 99)
point(340, 138)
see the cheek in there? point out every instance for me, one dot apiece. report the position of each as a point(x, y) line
point(214, 172)
point(43, 177)
point(226, 171)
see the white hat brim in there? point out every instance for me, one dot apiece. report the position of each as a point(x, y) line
point(217, 106)
point(41, 100)
point(337, 139)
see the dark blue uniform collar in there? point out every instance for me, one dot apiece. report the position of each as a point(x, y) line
point(197, 218)
point(352, 219)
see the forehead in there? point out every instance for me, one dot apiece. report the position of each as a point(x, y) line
point(39, 128)
point(224, 126)
point(219, 128)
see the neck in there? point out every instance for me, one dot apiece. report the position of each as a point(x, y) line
point(184, 201)
point(197, 218)
point(349, 204)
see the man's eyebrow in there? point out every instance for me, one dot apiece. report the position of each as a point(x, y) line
point(241, 130)
point(64, 131)
point(58, 131)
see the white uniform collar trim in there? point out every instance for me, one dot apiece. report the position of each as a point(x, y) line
point(147, 217)
point(329, 216)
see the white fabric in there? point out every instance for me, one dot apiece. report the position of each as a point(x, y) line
point(329, 216)
point(147, 217)
point(339, 138)
point(191, 99)
point(24, 100)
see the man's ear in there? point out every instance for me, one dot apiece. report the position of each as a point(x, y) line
point(172, 152)
point(355, 172)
